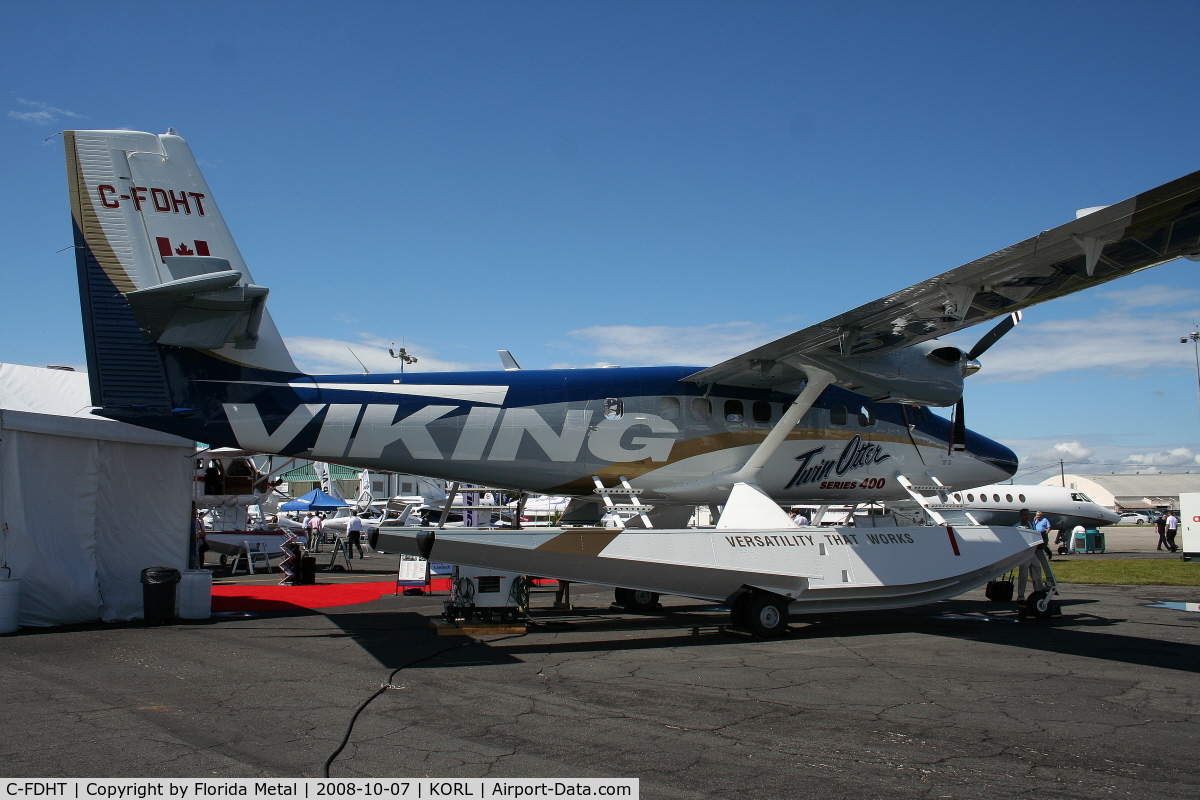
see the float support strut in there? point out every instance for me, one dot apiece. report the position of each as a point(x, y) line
point(818, 380)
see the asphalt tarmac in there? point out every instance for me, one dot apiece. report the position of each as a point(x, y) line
point(950, 700)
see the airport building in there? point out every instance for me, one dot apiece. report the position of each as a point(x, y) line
point(1136, 492)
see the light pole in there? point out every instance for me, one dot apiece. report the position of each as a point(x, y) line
point(405, 358)
point(1194, 338)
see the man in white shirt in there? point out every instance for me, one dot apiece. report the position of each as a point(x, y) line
point(1172, 523)
point(799, 518)
point(354, 529)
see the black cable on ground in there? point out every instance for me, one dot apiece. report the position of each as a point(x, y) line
point(383, 688)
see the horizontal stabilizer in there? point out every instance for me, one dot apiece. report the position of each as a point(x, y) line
point(207, 310)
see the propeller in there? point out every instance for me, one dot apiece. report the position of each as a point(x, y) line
point(958, 435)
point(993, 336)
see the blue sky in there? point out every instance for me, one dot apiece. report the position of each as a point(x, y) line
point(638, 182)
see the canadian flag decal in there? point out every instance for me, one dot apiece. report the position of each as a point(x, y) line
point(167, 248)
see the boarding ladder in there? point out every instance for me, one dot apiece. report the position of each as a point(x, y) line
point(933, 497)
point(634, 505)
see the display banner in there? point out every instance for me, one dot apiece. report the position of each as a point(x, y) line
point(412, 572)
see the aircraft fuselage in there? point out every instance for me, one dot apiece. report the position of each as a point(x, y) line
point(551, 430)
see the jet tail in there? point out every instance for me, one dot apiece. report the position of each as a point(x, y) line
point(158, 270)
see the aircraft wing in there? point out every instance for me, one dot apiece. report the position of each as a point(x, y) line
point(1144, 231)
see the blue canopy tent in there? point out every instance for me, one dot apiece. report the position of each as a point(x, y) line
point(316, 500)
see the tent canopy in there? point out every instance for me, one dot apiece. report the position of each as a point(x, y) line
point(316, 500)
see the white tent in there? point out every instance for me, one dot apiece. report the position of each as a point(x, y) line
point(86, 503)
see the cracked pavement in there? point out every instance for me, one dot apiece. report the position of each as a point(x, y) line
point(950, 700)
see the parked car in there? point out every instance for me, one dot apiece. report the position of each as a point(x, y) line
point(1137, 517)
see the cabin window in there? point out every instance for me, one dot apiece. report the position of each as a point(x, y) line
point(1008, 497)
point(701, 409)
point(668, 407)
point(996, 498)
point(613, 408)
point(957, 498)
point(734, 411)
point(837, 415)
point(762, 411)
point(970, 498)
point(866, 417)
point(1021, 497)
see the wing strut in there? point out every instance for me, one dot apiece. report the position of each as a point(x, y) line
point(748, 505)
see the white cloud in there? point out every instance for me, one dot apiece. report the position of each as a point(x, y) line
point(1116, 341)
point(1073, 452)
point(41, 113)
point(661, 344)
point(1175, 457)
point(1155, 295)
point(322, 356)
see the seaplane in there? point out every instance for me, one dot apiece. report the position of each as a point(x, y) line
point(179, 339)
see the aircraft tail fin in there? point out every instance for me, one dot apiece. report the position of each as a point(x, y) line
point(158, 268)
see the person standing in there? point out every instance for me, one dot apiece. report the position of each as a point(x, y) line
point(1160, 525)
point(354, 529)
point(1172, 524)
point(1042, 526)
point(799, 518)
point(312, 526)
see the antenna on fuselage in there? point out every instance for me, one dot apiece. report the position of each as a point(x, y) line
point(360, 363)
point(506, 358)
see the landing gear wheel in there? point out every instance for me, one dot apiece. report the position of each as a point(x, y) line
point(637, 600)
point(509, 616)
point(767, 616)
point(224, 560)
point(737, 611)
point(1038, 605)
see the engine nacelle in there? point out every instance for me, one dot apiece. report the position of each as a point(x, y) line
point(926, 374)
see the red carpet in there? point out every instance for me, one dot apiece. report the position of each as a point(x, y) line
point(275, 598)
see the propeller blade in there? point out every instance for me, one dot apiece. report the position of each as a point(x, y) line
point(958, 439)
point(993, 336)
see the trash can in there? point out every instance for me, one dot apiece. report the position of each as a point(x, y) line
point(308, 571)
point(158, 594)
point(195, 594)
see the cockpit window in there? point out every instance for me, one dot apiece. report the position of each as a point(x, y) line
point(1080, 497)
point(866, 417)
